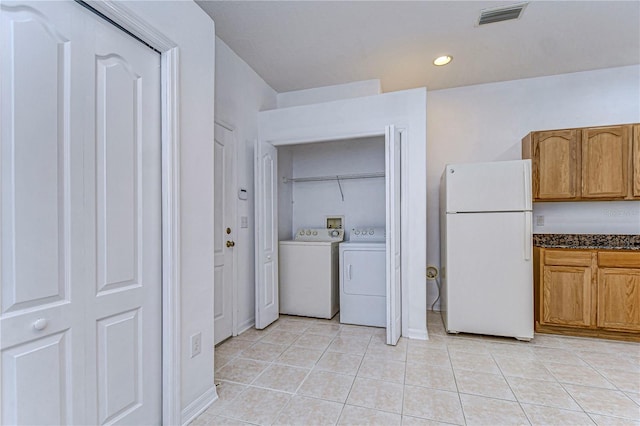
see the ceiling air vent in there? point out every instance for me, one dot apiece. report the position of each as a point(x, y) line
point(504, 13)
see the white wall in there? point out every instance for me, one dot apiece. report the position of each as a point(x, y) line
point(329, 93)
point(594, 217)
point(364, 199)
point(193, 33)
point(285, 194)
point(487, 122)
point(240, 94)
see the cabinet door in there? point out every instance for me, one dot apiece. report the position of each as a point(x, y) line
point(555, 165)
point(605, 154)
point(566, 296)
point(636, 161)
point(619, 298)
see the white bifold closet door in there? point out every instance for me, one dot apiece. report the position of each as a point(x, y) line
point(80, 162)
point(266, 210)
point(393, 253)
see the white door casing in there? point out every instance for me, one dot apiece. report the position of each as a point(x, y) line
point(81, 259)
point(393, 247)
point(266, 233)
point(224, 218)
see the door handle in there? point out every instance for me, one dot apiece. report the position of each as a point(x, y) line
point(40, 324)
point(527, 235)
point(231, 243)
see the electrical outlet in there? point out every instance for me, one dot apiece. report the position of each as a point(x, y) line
point(432, 272)
point(540, 220)
point(196, 344)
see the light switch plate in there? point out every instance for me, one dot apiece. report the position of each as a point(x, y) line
point(196, 344)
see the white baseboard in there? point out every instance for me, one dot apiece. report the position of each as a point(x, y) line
point(198, 406)
point(418, 334)
point(246, 325)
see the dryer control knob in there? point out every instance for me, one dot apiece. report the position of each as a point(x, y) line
point(335, 233)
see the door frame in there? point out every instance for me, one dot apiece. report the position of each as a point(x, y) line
point(404, 196)
point(234, 224)
point(170, 96)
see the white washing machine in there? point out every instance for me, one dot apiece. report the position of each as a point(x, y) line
point(363, 291)
point(309, 273)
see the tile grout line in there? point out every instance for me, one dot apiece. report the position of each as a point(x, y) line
point(455, 380)
point(511, 389)
point(551, 344)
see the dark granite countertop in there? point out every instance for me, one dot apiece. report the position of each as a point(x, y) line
point(587, 241)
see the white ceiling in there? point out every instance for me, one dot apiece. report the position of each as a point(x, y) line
point(297, 45)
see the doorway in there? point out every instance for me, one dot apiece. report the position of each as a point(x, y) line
point(225, 234)
point(274, 220)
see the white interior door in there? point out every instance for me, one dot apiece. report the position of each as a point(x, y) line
point(224, 232)
point(41, 253)
point(392, 173)
point(266, 204)
point(124, 231)
point(81, 220)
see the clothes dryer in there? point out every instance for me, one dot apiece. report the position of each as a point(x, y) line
point(363, 292)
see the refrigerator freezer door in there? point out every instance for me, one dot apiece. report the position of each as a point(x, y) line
point(488, 187)
point(489, 283)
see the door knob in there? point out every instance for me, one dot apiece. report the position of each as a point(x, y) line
point(40, 324)
point(231, 243)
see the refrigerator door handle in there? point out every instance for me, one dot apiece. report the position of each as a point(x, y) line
point(527, 236)
point(527, 184)
point(349, 272)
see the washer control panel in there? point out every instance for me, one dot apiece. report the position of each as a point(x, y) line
point(368, 233)
point(319, 234)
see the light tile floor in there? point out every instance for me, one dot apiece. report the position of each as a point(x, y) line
point(303, 371)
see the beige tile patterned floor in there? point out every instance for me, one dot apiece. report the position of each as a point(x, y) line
point(303, 371)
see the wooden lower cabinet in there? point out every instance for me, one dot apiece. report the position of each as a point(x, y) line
point(619, 290)
point(567, 289)
point(587, 292)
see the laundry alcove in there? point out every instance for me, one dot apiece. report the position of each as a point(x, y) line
point(297, 154)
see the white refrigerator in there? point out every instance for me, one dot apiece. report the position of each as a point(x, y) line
point(486, 249)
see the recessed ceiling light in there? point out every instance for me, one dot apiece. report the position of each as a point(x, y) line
point(442, 60)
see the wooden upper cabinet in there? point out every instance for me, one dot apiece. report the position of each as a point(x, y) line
point(605, 154)
point(636, 161)
point(591, 163)
point(555, 165)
